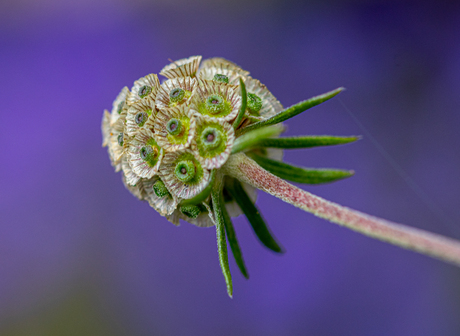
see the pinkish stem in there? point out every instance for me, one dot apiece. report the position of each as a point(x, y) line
point(437, 246)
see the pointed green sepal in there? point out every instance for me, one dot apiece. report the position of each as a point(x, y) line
point(305, 141)
point(292, 111)
point(299, 174)
point(244, 100)
point(221, 241)
point(253, 138)
point(233, 241)
point(253, 215)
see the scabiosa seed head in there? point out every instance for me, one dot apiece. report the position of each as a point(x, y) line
point(159, 197)
point(183, 174)
point(175, 92)
point(145, 155)
point(174, 128)
point(217, 66)
point(185, 146)
point(217, 100)
point(143, 88)
point(138, 114)
point(213, 141)
point(216, 104)
point(269, 105)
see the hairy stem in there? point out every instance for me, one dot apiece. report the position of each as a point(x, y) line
point(246, 170)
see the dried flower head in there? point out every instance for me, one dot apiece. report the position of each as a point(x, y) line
point(196, 149)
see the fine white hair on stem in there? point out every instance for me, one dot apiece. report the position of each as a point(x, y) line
point(246, 170)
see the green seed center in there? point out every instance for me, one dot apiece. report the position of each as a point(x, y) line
point(220, 78)
point(174, 126)
point(176, 95)
point(140, 118)
point(215, 104)
point(144, 91)
point(185, 170)
point(148, 153)
point(211, 138)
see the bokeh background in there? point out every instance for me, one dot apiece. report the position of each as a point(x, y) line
point(80, 256)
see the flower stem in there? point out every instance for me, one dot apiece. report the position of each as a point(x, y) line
point(246, 170)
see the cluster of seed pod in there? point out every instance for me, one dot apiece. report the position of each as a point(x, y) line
point(169, 138)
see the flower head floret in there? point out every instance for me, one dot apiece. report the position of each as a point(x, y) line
point(176, 91)
point(182, 68)
point(138, 114)
point(144, 88)
point(216, 100)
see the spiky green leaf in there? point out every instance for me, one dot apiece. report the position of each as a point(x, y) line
point(299, 174)
point(253, 215)
point(253, 138)
point(233, 241)
point(221, 241)
point(306, 141)
point(292, 111)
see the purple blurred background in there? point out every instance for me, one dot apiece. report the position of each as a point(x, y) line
point(80, 256)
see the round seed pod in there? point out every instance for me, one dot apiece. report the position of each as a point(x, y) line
point(159, 197)
point(144, 88)
point(145, 154)
point(213, 141)
point(216, 100)
point(176, 91)
point(183, 174)
point(138, 114)
point(174, 128)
